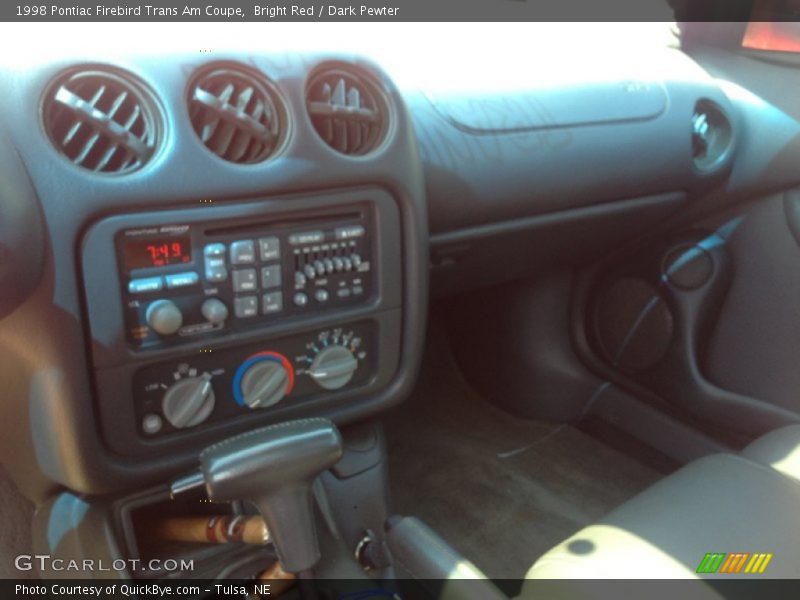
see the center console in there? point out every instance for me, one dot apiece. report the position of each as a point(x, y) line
point(200, 298)
point(214, 319)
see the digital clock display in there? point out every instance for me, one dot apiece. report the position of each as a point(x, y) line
point(157, 252)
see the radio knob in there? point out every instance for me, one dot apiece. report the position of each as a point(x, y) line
point(264, 384)
point(164, 317)
point(188, 402)
point(214, 310)
point(333, 367)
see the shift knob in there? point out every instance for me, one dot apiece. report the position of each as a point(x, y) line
point(274, 468)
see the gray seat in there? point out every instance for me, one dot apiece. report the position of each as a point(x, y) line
point(723, 503)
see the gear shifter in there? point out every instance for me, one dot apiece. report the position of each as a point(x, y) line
point(274, 468)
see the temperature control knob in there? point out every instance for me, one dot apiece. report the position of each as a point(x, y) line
point(263, 380)
point(164, 317)
point(333, 367)
point(188, 402)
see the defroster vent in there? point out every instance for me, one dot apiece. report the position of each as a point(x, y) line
point(237, 114)
point(349, 111)
point(101, 120)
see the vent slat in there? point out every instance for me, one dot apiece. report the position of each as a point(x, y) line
point(101, 164)
point(235, 114)
point(100, 120)
point(348, 111)
point(135, 114)
point(87, 148)
point(115, 106)
point(239, 146)
point(71, 133)
point(223, 139)
point(98, 94)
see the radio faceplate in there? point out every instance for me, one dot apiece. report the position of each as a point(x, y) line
point(190, 281)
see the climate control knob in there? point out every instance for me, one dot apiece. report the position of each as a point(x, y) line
point(188, 402)
point(164, 317)
point(263, 380)
point(333, 367)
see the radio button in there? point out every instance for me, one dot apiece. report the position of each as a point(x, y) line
point(338, 263)
point(307, 237)
point(300, 299)
point(216, 274)
point(215, 250)
point(321, 295)
point(347, 233)
point(243, 252)
point(272, 303)
point(310, 271)
point(319, 267)
point(151, 424)
point(145, 284)
point(164, 317)
point(328, 265)
point(244, 280)
point(356, 260)
point(348, 264)
point(214, 310)
point(271, 276)
point(269, 248)
point(215, 263)
point(245, 306)
point(300, 279)
point(179, 280)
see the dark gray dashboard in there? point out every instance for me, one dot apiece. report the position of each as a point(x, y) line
point(555, 174)
point(56, 400)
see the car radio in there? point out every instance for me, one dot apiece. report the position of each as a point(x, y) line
point(181, 280)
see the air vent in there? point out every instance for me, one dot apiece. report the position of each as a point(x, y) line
point(711, 136)
point(348, 110)
point(237, 114)
point(101, 120)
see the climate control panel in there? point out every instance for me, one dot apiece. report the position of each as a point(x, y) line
point(220, 385)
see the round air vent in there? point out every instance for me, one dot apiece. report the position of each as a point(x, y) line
point(101, 120)
point(348, 110)
point(711, 136)
point(237, 114)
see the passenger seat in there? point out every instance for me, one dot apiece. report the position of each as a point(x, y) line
point(722, 503)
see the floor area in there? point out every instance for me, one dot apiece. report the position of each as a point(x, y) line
point(500, 489)
point(16, 513)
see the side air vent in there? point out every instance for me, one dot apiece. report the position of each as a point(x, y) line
point(349, 111)
point(237, 114)
point(711, 136)
point(101, 120)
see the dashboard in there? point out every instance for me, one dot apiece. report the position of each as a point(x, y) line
point(226, 243)
point(202, 244)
